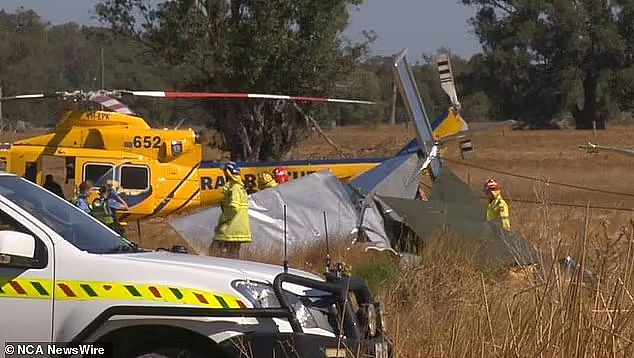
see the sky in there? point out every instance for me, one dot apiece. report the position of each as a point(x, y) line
point(422, 26)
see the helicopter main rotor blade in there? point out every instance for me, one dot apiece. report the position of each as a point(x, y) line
point(64, 95)
point(219, 95)
point(26, 96)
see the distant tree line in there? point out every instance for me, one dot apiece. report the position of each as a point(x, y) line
point(541, 61)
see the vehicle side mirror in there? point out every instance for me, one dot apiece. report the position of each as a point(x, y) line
point(17, 249)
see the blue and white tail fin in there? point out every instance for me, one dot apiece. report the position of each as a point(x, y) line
point(416, 111)
point(449, 123)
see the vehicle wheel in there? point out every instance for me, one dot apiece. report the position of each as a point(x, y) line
point(169, 353)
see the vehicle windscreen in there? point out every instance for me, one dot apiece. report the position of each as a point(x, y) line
point(72, 224)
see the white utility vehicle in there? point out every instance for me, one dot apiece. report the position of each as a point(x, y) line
point(65, 277)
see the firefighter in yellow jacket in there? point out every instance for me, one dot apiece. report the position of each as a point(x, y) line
point(233, 225)
point(265, 181)
point(497, 208)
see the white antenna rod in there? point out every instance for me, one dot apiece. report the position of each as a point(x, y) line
point(179, 123)
point(103, 83)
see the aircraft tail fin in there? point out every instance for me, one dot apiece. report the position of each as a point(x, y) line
point(448, 123)
point(416, 110)
point(446, 79)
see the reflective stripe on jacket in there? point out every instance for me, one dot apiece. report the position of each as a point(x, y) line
point(233, 224)
point(498, 210)
point(102, 212)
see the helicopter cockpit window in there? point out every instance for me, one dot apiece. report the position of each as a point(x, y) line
point(95, 172)
point(107, 176)
point(135, 177)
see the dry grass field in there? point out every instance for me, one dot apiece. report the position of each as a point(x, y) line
point(445, 307)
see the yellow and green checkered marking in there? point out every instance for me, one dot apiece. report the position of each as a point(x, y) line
point(86, 290)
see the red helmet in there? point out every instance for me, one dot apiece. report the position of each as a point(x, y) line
point(491, 185)
point(281, 175)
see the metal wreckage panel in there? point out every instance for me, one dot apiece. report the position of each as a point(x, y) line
point(397, 177)
point(306, 199)
point(454, 213)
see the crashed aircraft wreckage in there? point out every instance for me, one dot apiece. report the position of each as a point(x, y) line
point(374, 206)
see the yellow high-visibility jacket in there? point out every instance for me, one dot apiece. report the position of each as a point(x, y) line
point(498, 210)
point(233, 224)
point(101, 211)
point(265, 181)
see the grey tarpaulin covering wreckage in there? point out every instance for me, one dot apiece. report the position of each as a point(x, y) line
point(375, 205)
point(347, 212)
point(306, 199)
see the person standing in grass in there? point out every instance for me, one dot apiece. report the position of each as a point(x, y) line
point(233, 225)
point(497, 209)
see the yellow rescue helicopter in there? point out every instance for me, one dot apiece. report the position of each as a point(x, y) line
point(158, 171)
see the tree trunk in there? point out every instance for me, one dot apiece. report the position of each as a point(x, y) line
point(232, 133)
point(243, 128)
point(257, 131)
point(585, 116)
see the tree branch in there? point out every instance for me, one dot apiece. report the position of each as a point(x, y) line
point(246, 144)
point(319, 130)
